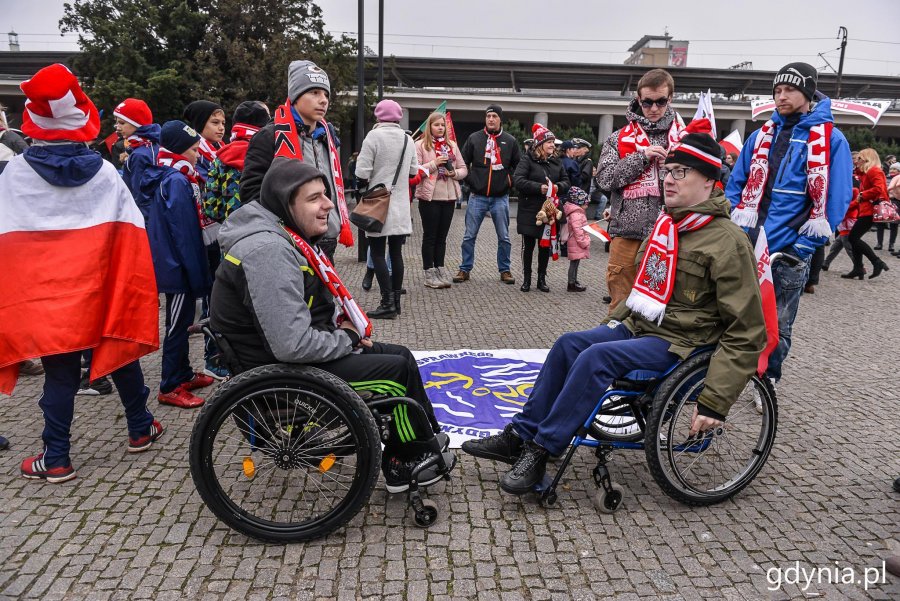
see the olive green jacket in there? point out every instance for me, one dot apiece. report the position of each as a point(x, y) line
point(716, 301)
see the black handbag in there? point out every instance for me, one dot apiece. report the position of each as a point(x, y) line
point(371, 211)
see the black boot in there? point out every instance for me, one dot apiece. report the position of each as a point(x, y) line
point(386, 309)
point(397, 295)
point(526, 282)
point(853, 274)
point(505, 447)
point(878, 268)
point(542, 283)
point(527, 471)
point(367, 279)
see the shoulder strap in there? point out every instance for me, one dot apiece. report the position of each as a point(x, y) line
point(400, 164)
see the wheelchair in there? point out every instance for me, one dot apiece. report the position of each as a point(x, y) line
point(289, 453)
point(652, 411)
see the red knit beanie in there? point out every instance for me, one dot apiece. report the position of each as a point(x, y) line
point(134, 111)
point(541, 134)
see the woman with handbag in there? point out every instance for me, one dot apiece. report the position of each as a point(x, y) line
point(386, 161)
point(437, 194)
point(872, 189)
point(538, 169)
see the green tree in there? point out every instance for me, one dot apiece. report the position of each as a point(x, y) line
point(863, 137)
point(170, 52)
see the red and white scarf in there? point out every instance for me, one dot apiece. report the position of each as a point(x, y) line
point(207, 150)
point(442, 148)
point(633, 138)
point(818, 158)
point(167, 158)
point(492, 151)
point(550, 235)
point(655, 279)
point(242, 131)
point(324, 270)
point(287, 144)
point(135, 141)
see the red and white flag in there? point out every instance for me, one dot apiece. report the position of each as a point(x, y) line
point(596, 231)
point(77, 272)
point(732, 143)
point(767, 290)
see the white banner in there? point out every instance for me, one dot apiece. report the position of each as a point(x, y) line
point(870, 109)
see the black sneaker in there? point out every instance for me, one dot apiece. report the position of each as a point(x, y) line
point(505, 446)
point(397, 473)
point(100, 386)
point(528, 470)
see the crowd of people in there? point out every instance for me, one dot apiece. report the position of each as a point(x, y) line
point(248, 229)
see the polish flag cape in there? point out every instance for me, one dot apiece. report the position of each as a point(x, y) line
point(767, 291)
point(77, 272)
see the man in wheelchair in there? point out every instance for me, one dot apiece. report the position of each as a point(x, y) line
point(696, 285)
point(276, 299)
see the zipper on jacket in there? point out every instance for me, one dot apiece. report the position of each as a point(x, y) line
point(784, 162)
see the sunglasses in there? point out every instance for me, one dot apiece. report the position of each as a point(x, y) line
point(660, 102)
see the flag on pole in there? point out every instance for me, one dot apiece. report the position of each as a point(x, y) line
point(596, 231)
point(109, 140)
point(705, 110)
point(732, 143)
point(442, 108)
point(767, 291)
point(451, 130)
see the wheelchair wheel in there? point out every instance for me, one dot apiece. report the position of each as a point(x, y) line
point(713, 467)
point(620, 426)
point(285, 453)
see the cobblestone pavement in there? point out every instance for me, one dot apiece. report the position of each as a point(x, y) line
point(133, 527)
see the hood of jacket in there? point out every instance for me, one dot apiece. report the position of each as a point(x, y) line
point(570, 207)
point(820, 113)
point(234, 153)
point(279, 185)
point(634, 113)
point(249, 219)
point(64, 165)
point(149, 132)
point(716, 205)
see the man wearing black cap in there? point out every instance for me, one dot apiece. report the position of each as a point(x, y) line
point(715, 284)
point(794, 177)
point(491, 156)
point(273, 306)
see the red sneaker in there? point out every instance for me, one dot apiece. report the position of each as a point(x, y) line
point(33, 468)
point(198, 381)
point(142, 443)
point(180, 398)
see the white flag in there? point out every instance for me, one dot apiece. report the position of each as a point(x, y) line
point(705, 111)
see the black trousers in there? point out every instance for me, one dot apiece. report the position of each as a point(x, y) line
point(393, 281)
point(859, 246)
point(436, 218)
point(815, 266)
point(391, 369)
point(528, 244)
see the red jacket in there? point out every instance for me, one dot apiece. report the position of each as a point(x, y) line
point(872, 189)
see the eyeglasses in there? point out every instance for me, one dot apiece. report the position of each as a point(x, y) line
point(660, 102)
point(677, 173)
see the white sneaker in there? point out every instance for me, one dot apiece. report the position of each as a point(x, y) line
point(431, 278)
point(444, 277)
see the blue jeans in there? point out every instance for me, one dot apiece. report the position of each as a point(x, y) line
point(476, 209)
point(62, 374)
point(601, 206)
point(789, 282)
point(371, 265)
point(578, 370)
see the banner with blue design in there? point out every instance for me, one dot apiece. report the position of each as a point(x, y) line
point(475, 393)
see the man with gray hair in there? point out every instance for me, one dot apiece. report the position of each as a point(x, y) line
point(300, 131)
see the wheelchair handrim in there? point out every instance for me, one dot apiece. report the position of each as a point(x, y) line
point(681, 459)
point(322, 452)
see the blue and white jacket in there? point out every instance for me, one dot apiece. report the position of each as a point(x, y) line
point(788, 207)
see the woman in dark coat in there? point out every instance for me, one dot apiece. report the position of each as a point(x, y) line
point(537, 166)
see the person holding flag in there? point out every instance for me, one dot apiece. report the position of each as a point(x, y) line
point(299, 131)
point(696, 285)
point(278, 299)
point(61, 199)
point(794, 178)
point(437, 194)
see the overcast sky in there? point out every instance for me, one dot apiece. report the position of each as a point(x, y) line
point(769, 33)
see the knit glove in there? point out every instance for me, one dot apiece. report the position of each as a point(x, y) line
point(805, 246)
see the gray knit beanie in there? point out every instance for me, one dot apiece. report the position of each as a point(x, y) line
point(304, 76)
